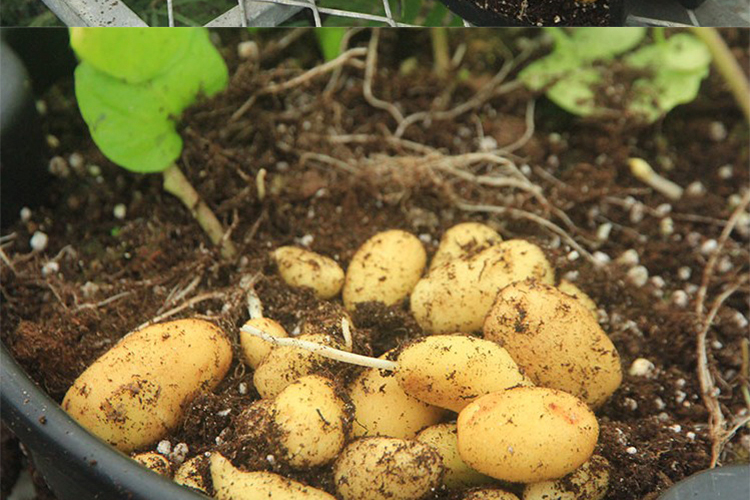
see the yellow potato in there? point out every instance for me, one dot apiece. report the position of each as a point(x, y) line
point(311, 420)
point(380, 468)
point(588, 482)
point(155, 462)
point(491, 495)
point(526, 434)
point(451, 371)
point(464, 239)
point(284, 365)
point(135, 393)
point(456, 296)
point(443, 438)
point(569, 288)
point(555, 340)
point(382, 408)
point(255, 349)
point(231, 483)
point(189, 474)
point(303, 268)
point(385, 269)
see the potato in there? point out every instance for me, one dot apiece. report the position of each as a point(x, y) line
point(555, 340)
point(190, 475)
point(303, 268)
point(443, 438)
point(284, 365)
point(526, 434)
point(385, 269)
point(588, 482)
point(486, 494)
point(155, 462)
point(231, 483)
point(464, 239)
point(254, 348)
point(382, 408)
point(134, 394)
point(450, 371)
point(379, 468)
point(456, 296)
point(572, 290)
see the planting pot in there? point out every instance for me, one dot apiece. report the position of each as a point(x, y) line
point(479, 16)
point(74, 463)
point(691, 4)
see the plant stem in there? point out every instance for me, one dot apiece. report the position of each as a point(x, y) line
point(727, 65)
point(177, 184)
point(440, 51)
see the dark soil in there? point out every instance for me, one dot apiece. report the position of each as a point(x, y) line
point(545, 13)
point(336, 177)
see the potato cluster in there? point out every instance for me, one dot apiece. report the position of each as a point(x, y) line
point(500, 391)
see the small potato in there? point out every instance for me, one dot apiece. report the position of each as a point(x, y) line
point(464, 239)
point(231, 483)
point(526, 434)
point(303, 268)
point(284, 365)
point(443, 438)
point(382, 408)
point(451, 371)
point(588, 482)
point(190, 475)
point(155, 462)
point(254, 348)
point(555, 340)
point(384, 269)
point(135, 393)
point(572, 290)
point(456, 296)
point(491, 495)
point(380, 468)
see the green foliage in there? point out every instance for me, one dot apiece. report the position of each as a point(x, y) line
point(132, 84)
point(673, 69)
point(329, 40)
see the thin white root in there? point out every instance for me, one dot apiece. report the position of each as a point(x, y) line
point(346, 330)
point(642, 171)
point(254, 305)
point(323, 350)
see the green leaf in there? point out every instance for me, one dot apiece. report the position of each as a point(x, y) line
point(549, 69)
point(605, 43)
point(574, 93)
point(329, 40)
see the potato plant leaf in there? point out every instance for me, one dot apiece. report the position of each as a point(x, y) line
point(131, 108)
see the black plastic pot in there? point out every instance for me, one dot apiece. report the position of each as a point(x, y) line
point(75, 464)
point(479, 16)
point(691, 4)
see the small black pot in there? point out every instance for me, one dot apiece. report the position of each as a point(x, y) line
point(478, 16)
point(74, 463)
point(691, 4)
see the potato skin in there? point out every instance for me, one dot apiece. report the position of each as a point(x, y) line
point(487, 494)
point(155, 462)
point(255, 349)
point(380, 468)
point(189, 476)
point(443, 437)
point(303, 268)
point(526, 434)
point(382, 408)
point(462, 239)
point(231, 483)
point(385, 268)
point(456, 296)
point(133, 395)
point(588, 482)
point(566, 286)
point(460, 369)
point(555, 340)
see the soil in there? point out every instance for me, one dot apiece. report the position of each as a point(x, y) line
point(547, 13)
point(336, 176)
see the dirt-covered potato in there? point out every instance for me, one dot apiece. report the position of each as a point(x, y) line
point(303, 268)
point(154, 461)
point(231, 483)
point(382, 408)
point(385, 269)
point(255, 349)
point(443, 437)
point(135, 393)
point(284, 365)
point(464, 239)
point(189, 474)
point(450, 371)
point(379, 468)
point(527, 434)
point(491, 494)
point(456, 296)
point(571, 289)
point(588, 482)
point(555, 340)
